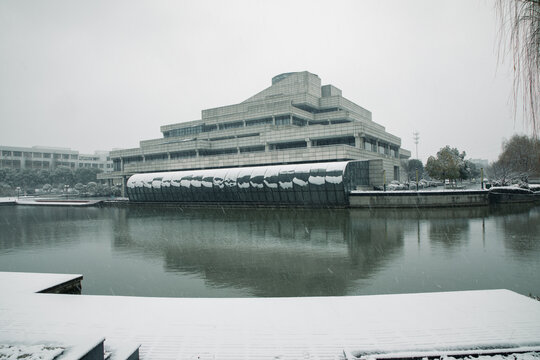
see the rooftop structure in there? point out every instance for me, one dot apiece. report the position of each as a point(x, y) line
point(48, 158)
point(295, 120)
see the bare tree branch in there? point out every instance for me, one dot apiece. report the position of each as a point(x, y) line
point(520, 37)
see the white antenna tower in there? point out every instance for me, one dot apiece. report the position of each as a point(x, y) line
point(416, 137)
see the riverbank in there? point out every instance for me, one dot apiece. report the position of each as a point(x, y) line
point(442, 198)
point(356, 199)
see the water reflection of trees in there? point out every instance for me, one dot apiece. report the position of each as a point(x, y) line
point(274, 252)
point(23, 226)
point(522, 233)
point(449, 232)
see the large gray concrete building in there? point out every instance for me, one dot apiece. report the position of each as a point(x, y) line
point(295, 120)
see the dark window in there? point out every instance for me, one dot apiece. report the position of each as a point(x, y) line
point(265, 121)
point(208, 128)
point(184, 131)
point(210, 152)
point(348, 140)
point(231, 125)
point(290, 145)
point(117, 165)
point(283, 120)
point(299, 122)
point(157, 157)
point(252, 148)
point(319, 122)
point(132, 159)
point(183, 154)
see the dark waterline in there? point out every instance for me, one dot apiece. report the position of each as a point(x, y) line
point(187, 252)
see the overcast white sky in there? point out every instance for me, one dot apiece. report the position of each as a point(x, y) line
point(98, 75)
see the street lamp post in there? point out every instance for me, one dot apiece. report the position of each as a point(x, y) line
point(66, 189)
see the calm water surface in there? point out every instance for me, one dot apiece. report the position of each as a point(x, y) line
point(182, 252)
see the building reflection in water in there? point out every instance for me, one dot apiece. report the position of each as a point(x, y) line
point(271, 252)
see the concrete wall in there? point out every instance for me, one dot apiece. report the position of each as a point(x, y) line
point(379, 199)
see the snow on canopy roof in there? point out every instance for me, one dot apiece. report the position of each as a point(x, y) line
point(139, 180)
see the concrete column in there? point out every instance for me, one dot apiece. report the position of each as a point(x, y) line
point(308, 142)
point(290, 119)
point(169, 155)
point(143, 158)
point(273, 120)
point(121, 164)
point(196, 153)
point(357, 141)
point(266, 147)
point(124, 181)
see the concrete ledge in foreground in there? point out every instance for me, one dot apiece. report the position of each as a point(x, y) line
point(269, 328)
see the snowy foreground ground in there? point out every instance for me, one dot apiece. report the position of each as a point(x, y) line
point(381, 326)
point(42, 352)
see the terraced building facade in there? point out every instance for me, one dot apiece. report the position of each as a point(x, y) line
point(295, 120)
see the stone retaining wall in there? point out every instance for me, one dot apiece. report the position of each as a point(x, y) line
point(410, 199)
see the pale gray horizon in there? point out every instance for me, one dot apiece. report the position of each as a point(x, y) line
point(101, 75)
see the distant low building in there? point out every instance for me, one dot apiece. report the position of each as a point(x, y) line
point(49, 158)
point(480, 163)
point(295, 120)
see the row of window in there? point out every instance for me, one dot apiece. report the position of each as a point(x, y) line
point(303, 184)
point(347, 140)
point(279, 120)
point(371, 145)
point(314, 110)
point(38, 155)
point(46, 164)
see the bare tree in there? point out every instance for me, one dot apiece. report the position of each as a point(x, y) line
point(520, 37)
point(520, 158)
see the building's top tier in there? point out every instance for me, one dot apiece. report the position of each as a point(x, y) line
point(291, 84)
point(302, 90)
